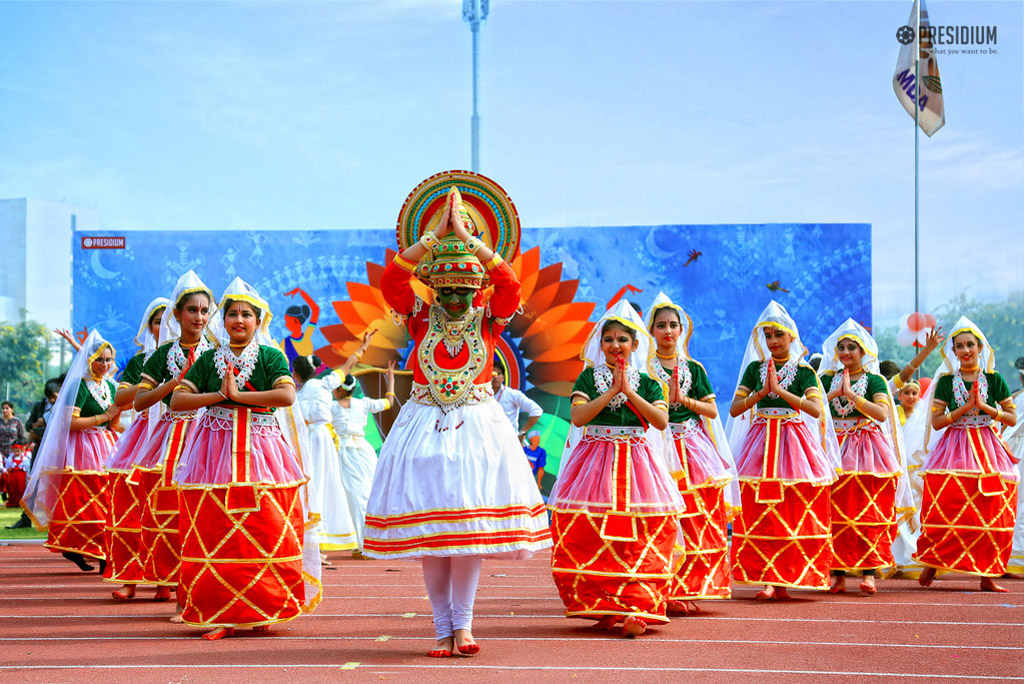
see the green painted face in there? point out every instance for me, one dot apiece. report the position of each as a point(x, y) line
point(455, 300)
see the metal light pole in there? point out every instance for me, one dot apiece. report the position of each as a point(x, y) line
point(474, 12)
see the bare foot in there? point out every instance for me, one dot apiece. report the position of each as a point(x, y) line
point(261, 628)
point(989, 584)
point(444, 648)
point(633, 627)
point(867, 585)
point(465, 644)
point(162, 594)
point(927, 577)
point(677, 608)
point(219, 633)
point(177, 619)
point(324, 561)
point(125, 593)
point(838, 585)
point(607, 622)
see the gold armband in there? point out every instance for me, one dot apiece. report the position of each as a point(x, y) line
point(742, 394)
point(493, 262)
point(579, 402)
point(430, 241)
point(404, 264)
point(473, 244)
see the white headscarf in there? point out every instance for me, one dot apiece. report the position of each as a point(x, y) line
point(776, 316)
point(241, 291)
point(43, 487)
point(144, 338)
point(188, 284)
point(852, 330)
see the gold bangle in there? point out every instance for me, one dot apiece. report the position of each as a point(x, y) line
point(999, 414)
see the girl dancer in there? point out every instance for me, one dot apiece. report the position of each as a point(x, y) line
point(452, 485)
point(872, 492)
point(787, 458)
point(183, 341)
point(124, 531)
point(239, 481)
point(970, 477)
point(67, 492)
point(699, 459)
point(615, 506)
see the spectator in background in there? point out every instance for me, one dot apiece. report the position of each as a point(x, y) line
point(537, 457)
point(37, 419)
point(11, 430)
point(16, 467)
point(512, 401)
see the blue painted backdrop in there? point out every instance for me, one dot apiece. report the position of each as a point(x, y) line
point(826, 269)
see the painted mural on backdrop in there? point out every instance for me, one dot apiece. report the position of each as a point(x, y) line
point(323, 288)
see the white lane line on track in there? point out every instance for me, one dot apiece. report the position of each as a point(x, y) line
point(518, 668)
point(646, 639)
point(506, 616)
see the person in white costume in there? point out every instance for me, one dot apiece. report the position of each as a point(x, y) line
point(512, 401)
point(452, 485)
point(358, 459)
point(326, 493)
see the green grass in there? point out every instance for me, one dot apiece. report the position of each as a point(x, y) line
point(9, 516)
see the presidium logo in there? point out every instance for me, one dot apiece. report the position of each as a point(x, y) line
point(111, 242)
point(961, 36)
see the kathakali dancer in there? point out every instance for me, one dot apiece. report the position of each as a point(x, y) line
point(698, 457)
point(67, 491)
point(451, 485)
point(786, 458)
point(615, 506)
point(184, 338)
point(970, 476)
point(872, 493)
point(124, 525)
point(239, 482)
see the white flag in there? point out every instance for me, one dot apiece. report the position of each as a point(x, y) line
point(932, 115)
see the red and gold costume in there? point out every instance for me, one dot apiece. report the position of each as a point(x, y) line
point(615, 507)
point(969, 507)
point(239, 484)
point(67, 492)
point(698, 456)
point(786, 466)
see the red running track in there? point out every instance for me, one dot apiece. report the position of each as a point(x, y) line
point(58, 624)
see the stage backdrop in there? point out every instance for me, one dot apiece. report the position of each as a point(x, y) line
point(323, 288)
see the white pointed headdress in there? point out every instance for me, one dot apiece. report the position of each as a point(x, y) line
point(849, 330)
point(188, 284)
point(662, 301)
point(144, 338)
point(624, 313)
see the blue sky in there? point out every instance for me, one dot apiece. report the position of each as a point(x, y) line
point(324, 115)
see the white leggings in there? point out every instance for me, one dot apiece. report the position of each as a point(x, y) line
point(451, 585)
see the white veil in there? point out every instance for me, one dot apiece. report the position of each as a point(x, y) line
point(43, 487)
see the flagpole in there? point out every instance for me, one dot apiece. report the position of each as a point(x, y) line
point(917, 135)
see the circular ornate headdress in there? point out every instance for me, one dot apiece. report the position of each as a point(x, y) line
point(488, 207)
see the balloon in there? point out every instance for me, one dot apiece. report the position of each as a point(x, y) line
point(925, 382)
point(916, 321)
point(929, 320)
point(906, 338)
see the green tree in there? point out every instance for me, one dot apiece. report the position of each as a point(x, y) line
point(24, 356)
point(1001, 321)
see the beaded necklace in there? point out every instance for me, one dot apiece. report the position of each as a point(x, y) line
point(245, 362)
point(786, 374)
point(100, 391)
point(685, 378)
point(841, 404)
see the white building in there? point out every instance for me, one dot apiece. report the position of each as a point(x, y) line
point(36, 273)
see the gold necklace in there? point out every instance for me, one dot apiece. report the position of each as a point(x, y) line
point(667, 358)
